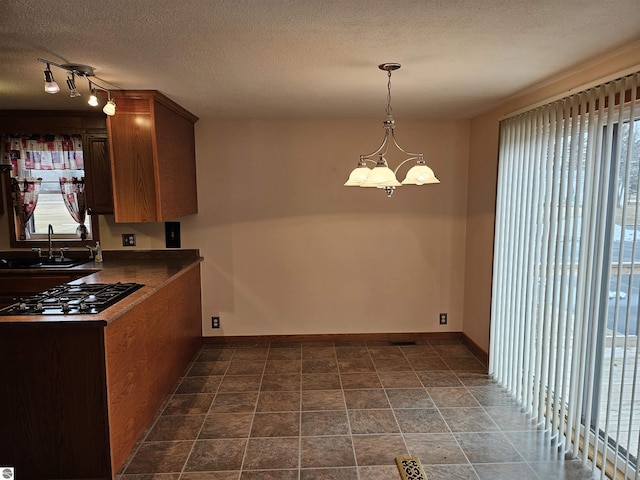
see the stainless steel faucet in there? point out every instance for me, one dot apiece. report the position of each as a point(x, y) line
point(49, 233)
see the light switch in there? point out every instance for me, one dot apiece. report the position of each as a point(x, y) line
point(172, 234)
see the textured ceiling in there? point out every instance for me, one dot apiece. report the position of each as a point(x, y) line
point(307, 58)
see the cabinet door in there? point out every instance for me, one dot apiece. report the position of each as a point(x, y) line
point(134, 168)
point(2, 199)
point(97, 168)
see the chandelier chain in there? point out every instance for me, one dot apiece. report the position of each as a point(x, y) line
point(389, 93)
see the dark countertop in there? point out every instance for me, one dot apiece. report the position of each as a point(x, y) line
point(152, 268)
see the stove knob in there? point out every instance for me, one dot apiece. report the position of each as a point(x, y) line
point(39, 306)
point(22, 306)
point(65, 307)
point(83, 306)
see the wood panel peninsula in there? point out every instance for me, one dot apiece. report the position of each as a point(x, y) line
point(78, 391)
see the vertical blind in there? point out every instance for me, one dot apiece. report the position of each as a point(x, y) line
point(566, 283)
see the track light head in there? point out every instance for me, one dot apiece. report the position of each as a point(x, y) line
point(71, 83)
point(110, 108)
point(50, 85)
point(93, 100)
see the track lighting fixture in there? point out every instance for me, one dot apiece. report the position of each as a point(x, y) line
point(79, 71)
point(50, 85)
point(381, 176)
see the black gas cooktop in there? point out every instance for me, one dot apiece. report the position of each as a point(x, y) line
point(80, 299)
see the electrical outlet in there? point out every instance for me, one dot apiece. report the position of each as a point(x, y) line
point(443, 319)
point(215, 322)
point(128, 239)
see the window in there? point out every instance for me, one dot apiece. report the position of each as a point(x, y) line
point(615, 382)
point(46, 187)
point(566, 284)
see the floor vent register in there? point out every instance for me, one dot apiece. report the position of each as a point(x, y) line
point(410, 468)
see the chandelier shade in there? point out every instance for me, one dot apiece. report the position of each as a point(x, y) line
point(382, 176)
point(358, 176)
point(420, 175)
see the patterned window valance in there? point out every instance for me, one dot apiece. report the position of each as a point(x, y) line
point(42, 152)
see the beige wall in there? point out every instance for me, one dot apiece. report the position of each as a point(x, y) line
point(289, 250)
point(483, 161)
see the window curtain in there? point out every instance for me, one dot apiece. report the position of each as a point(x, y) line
point(566, 281)
point(24, 193)
point(43, 152)
point(72, 190)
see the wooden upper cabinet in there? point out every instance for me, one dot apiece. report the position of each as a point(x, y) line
point(152, 152)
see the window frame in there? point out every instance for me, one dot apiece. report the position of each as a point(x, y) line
point(58, 240)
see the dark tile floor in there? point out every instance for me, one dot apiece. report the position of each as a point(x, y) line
point(338, 411)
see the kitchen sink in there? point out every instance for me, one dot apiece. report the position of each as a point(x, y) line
point(67, 262)
point(7, 263)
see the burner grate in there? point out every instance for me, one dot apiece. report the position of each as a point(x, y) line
point(81, 299)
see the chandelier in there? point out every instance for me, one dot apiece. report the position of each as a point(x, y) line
point(381, 176)
point(79, 71)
